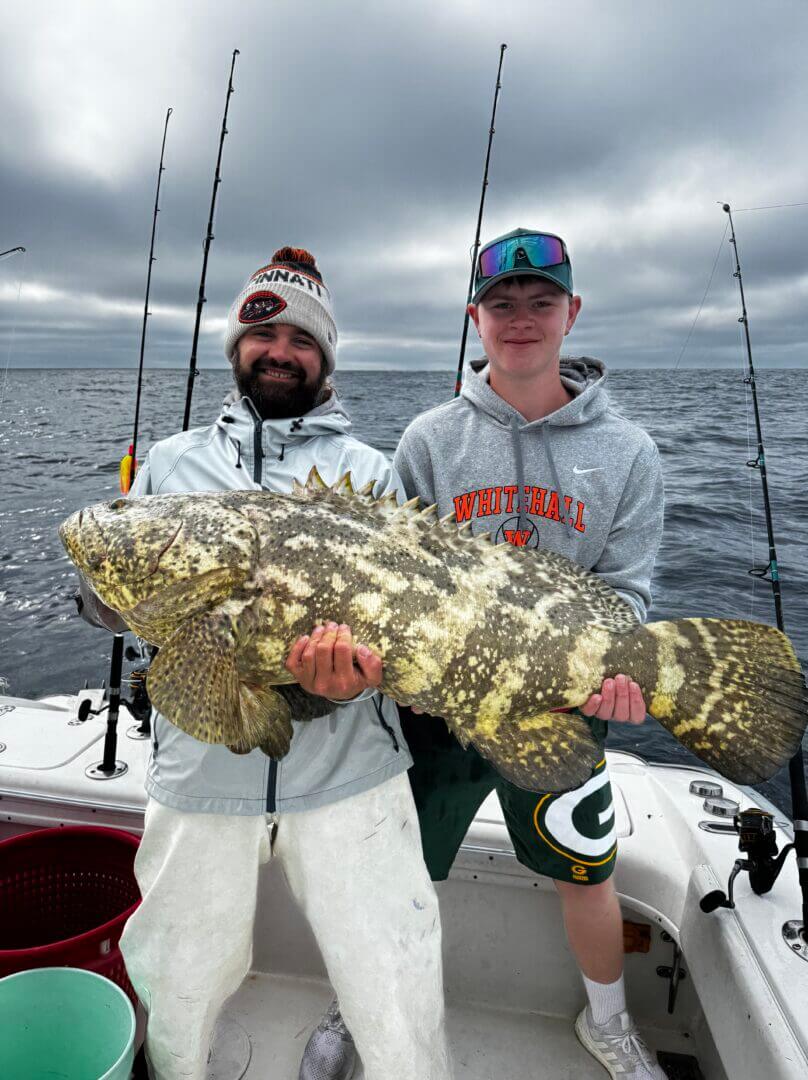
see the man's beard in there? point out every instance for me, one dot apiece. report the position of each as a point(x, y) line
point(279, 400)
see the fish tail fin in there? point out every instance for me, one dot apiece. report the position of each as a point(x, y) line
point(731, 691)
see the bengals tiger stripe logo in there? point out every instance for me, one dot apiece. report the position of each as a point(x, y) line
point(261, 306)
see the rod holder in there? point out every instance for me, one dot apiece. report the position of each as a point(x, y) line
point(109, 768)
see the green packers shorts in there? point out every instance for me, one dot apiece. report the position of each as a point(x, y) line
point(568, 836)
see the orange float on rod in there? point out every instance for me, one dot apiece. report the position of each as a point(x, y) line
point(128, 470)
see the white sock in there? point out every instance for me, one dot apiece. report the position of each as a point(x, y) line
point(605, 999)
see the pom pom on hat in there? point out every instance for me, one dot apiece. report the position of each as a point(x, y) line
point(299, 257)
point(290, 290)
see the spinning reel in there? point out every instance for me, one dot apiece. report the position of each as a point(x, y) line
point(756, 837)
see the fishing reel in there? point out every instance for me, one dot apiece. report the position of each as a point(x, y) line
point(756, 837)
point(138, 706)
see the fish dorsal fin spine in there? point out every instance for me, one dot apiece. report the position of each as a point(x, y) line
point(315, 482)
point(344, 486)
point(409, 511)
point(556, 572)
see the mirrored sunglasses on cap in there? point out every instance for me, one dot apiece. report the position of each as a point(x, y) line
point(524, 252)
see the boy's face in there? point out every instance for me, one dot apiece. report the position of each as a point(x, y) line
point(522, 322)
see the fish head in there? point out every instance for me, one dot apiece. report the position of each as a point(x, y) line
point(162, 558)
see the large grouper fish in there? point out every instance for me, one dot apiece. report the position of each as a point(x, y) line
point(490, 637)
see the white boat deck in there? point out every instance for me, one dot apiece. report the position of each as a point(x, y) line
point(513, 990)
point(279, 1012)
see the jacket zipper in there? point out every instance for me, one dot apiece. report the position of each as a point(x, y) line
point(258, 468)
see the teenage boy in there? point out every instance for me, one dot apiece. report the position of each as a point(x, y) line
point(532, 452)
point(213, 817)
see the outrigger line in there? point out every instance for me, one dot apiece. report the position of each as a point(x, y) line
point(129, 462)
point(476, 248)
point(796, 769)
point(193, 371)
point(19, 250)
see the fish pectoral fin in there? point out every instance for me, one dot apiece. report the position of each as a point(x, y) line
point(194, 681)
point(303, 705)
point(546, 752)
point(266, 714)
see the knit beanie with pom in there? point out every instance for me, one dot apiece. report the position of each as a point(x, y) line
point(288, 290)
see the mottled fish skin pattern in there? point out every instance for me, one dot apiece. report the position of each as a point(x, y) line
point(490, 637)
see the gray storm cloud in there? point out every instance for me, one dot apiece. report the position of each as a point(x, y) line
point(359, 130)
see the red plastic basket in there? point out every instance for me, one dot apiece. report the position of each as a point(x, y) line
point(65, 895)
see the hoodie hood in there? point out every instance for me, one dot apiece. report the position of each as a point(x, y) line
point(583, 376)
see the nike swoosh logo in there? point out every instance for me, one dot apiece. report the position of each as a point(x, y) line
point(575, 469)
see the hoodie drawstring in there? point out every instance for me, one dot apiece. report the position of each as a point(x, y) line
point(283, 450)
point(516, 441)
point(554, 473)
point(520, 468)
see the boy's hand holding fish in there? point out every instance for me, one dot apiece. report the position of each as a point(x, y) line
point(326, 662)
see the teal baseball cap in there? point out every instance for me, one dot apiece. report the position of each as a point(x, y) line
point(523, 252)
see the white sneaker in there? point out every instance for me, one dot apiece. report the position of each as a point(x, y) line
point(618, 1046)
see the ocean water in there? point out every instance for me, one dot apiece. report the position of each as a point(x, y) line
point(63, 432)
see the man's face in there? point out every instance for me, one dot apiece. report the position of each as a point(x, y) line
point(522, 322)
point(281, 369)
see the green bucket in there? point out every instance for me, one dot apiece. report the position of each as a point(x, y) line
point(65, 1024)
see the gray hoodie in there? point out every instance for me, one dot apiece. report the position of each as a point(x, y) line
point(590, 480)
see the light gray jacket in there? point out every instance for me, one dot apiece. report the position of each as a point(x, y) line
point(354, 748)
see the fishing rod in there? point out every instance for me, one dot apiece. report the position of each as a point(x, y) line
point(109, 767)
point(476, 248)
point(217, 179)
point(11, 251)
point(770, 572)
point(129, 463)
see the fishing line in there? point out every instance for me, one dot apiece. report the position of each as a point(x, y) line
point(752, 532)
point(13, 336)
point(774, 206)
point(701, 305)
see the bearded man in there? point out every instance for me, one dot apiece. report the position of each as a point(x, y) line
point(213, 816)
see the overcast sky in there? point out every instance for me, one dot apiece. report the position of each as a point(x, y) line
point(359, 130)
